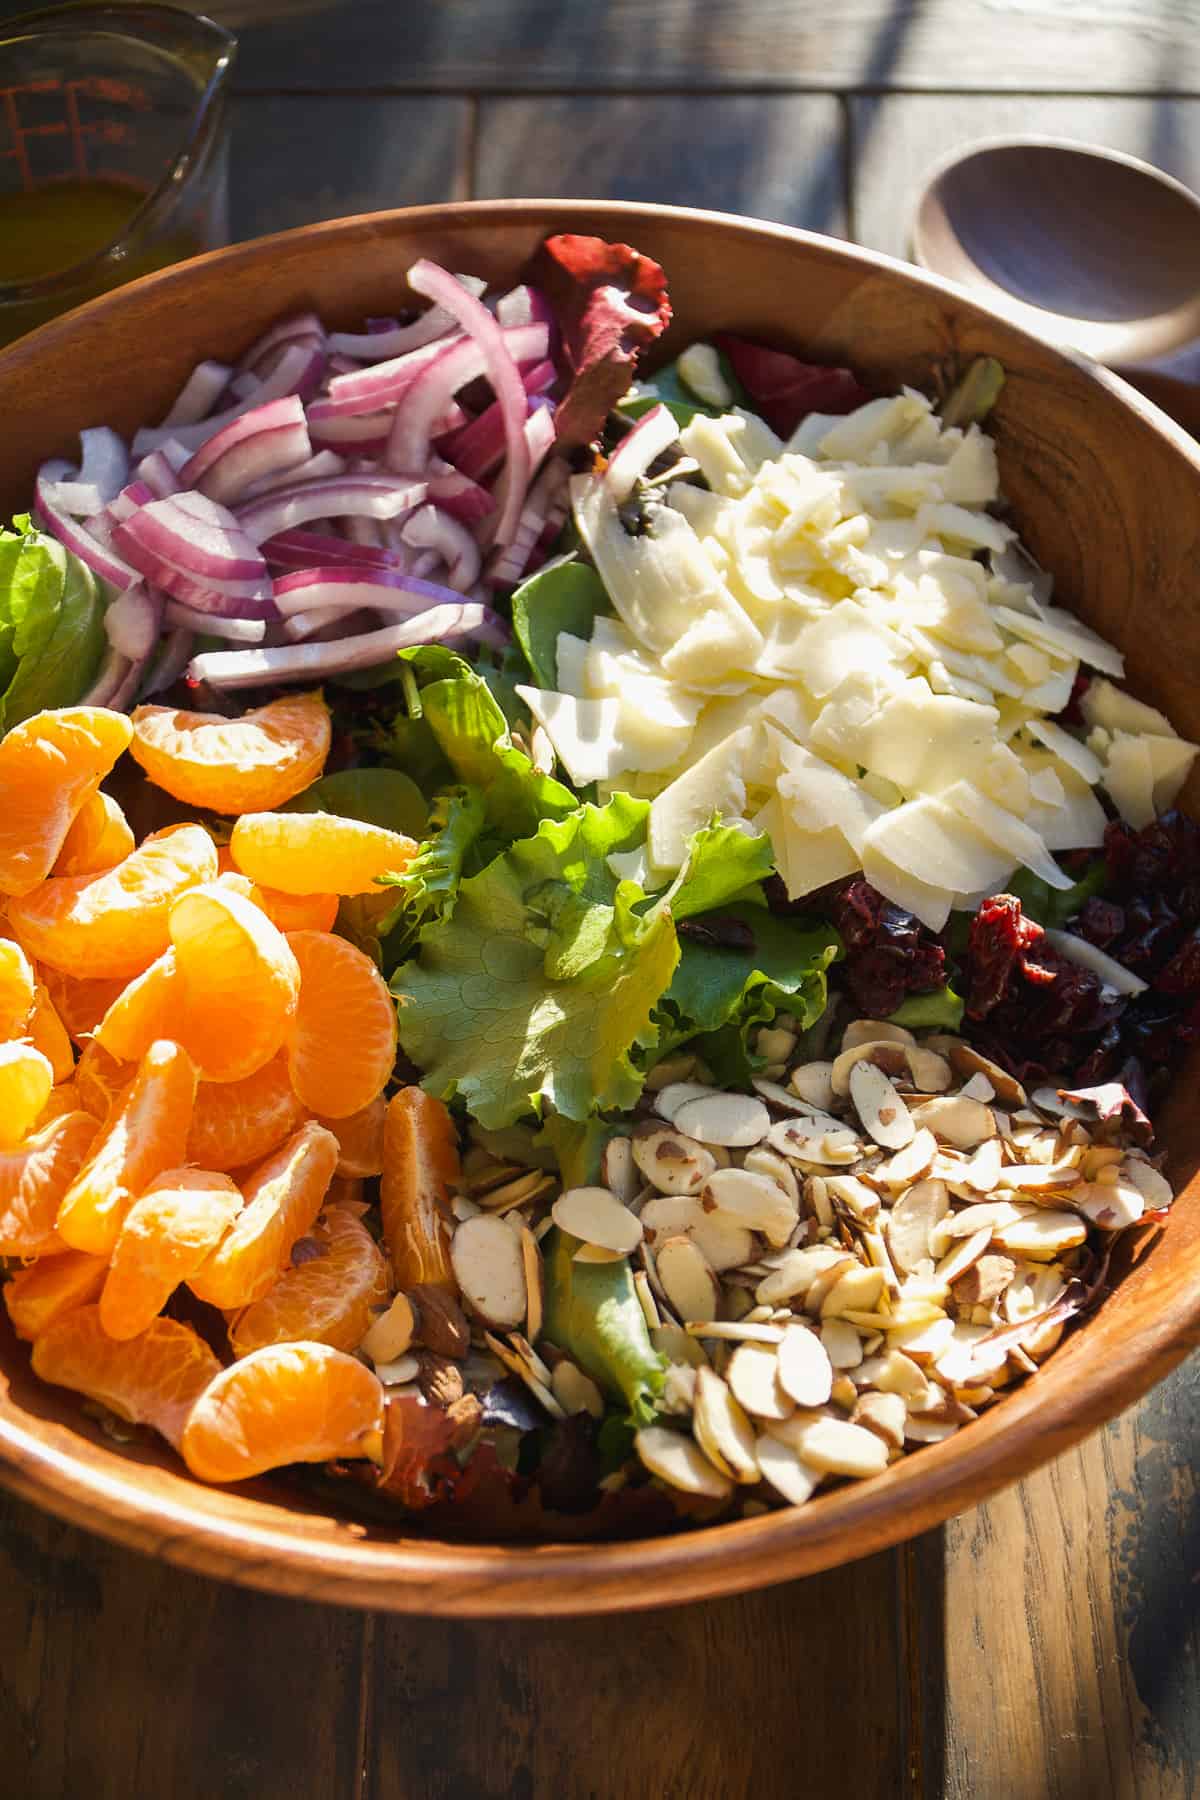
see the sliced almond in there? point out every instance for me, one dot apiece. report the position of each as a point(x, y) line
point(1154, 1188)
point(753, 1375)
point(983, 1167)
point(398, 1370)
point(796, 1272)
point(679, 1462)
point(860, 1201)
point(618, 1171)
point(786, 1472)
point(874, 1031)
point(929, 1072)
point(994, 1215)
point(826, 1281)
point(891, 1058)
point(842, 1343)
point(912, 1219)
point(805, 1140)
point(1110, 1205)
point(392, 1332)
point(885, 1415)
point(924, 1341)
point(725, 1243)
point(754, 1201)
point(669, 1099)
point(535, 1284)
point(781, 1097)
point(679, 1389)
point(899, 1374)
point(738, 1331)
point(909, 1164)
point(878, 1106)
point(670, 1162)
point(804, 1368)
point(964, 1254)
point(688, 1280)
point(839, 1448)
point(734, 1121)
point(722, 1429)
point(673, 1342)
point(919, 1428)
point(984, 1280)
point(978, 1088)
point(954, 1120)
point(575, 1391)
point(1041, 1234)
point(1039, 1178)
point(645, 1294)
point(858, 1290)
point(813, 1082)
point(761, 1161)
point(596, 1253)
point(966, 1061)
point(490, 1270)
point(597, 1217)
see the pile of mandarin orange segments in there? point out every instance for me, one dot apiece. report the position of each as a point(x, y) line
point(193, 1069)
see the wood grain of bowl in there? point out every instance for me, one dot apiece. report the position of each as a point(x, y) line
point(1106, 492)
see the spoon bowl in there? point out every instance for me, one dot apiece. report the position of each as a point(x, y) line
point(1083, 245)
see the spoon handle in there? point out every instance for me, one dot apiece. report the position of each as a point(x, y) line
point(1179, 398)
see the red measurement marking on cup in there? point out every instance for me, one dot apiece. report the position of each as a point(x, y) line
point(98, 131)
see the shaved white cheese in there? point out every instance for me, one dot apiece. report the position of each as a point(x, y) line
point(809, 860)
point(972, 477)
point(1068, 749)
point(1064, 636)
point(927, 902)
point(929, 840)
point(853, 438)
point(844, 640)
point(715, 784)
point(1009, 834)
point(1113, 974)
point(1102, 703)
point(961, 525)
point(1129, 778)
point(1006, 779)
point(571, 655)
point(923, 741)
point(1171, 760)
point(816, 796)
point(584, 733)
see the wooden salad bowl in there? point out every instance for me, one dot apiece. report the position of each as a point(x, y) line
point(1106, 492)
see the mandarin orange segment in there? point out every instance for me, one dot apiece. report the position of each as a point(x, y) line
point(33, 1180)
point(360, 1139)
point(286, 1403)
point(168, 1232)
point(50, 765)
point(16, 989)
point(146, 1133)
point(234, 765)
point(49, 1289)
point(64, 1098)
point(342, 1044)
point(420, 1164)
point(79, 1002)
point(153, 1379)
point(48, 1034)
point(26, 1079)
point(283, 1196)
point(327, 1298)
point(235, 1123)
point(114, 923)
point(347, 1191)
point(101, 1080)
point(99, 839)
point(148, 1008)
point(239, 982)
point(297, 912)
point(316, 852)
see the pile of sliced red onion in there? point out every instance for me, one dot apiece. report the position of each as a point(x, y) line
point(328, 501)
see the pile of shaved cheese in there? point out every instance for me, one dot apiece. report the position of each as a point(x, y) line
point(839, 644)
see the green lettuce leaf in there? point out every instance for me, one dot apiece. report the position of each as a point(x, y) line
point(473, 736)
point(1052, 907)
point(562, 596)
point(538, 989)
point(939, 1010)
point(593, 1313)
point(426, 890)
point(669, 387)
point(385, 797)
point(723, 866)
point(58, 632)
point(721, 996)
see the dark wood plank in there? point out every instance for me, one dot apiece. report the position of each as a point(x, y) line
point(1117, 45)
point(783, 1695)
point(124, 1678)
point(1072, 1619)
point(297, 158)
point(778, 157)
point(896, 141)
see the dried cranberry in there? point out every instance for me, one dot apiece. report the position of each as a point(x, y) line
point(1101, 922)
point(889, 953)
point(1182, 974)
point(999, 938)
point(1071, 714)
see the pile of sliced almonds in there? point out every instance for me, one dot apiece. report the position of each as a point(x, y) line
point(843, 1266)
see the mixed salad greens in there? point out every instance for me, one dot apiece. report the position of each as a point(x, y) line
point(718, 700)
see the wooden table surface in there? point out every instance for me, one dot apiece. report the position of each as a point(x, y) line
point(1046, 1644)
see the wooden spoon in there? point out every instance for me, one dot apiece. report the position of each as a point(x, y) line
point(1083, 245)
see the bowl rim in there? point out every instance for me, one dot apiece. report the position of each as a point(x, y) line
point(348, 1564)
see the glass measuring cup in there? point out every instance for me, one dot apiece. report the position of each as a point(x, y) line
point(112, 151)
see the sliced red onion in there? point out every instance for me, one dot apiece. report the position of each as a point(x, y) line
point(301, 328)
point(132, 622)
point(224, 599)
point(388, 382)
point(424, 563)
point(325, 622)
point(104, 462)
point(82, 499)
point(479, 446)
point(159, 474)
point(430, 528)
point(375, 496)
point(458, 495)
point(173, 659)
point(265, 441)
point(199, 393)
point(194, 534)
point(82, 543)
point(347, 587)
point(303, 662)
point(129, 684)
point(365, 434)
point(298, 371)
point(397, 340)
point(112, 672)
point(500, 354)
point(138, 493)
point(308, 549)
point(544, 498)
point(321, 464)
point(235, 631)
point(654, 432)
point(367, 533)
point(343, 365)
